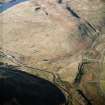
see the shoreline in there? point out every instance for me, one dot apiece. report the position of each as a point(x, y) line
point(4, 6)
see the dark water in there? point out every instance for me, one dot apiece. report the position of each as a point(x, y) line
point(5, 6)
point(27, 89)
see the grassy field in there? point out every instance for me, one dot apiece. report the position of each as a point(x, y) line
point(50, 38)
